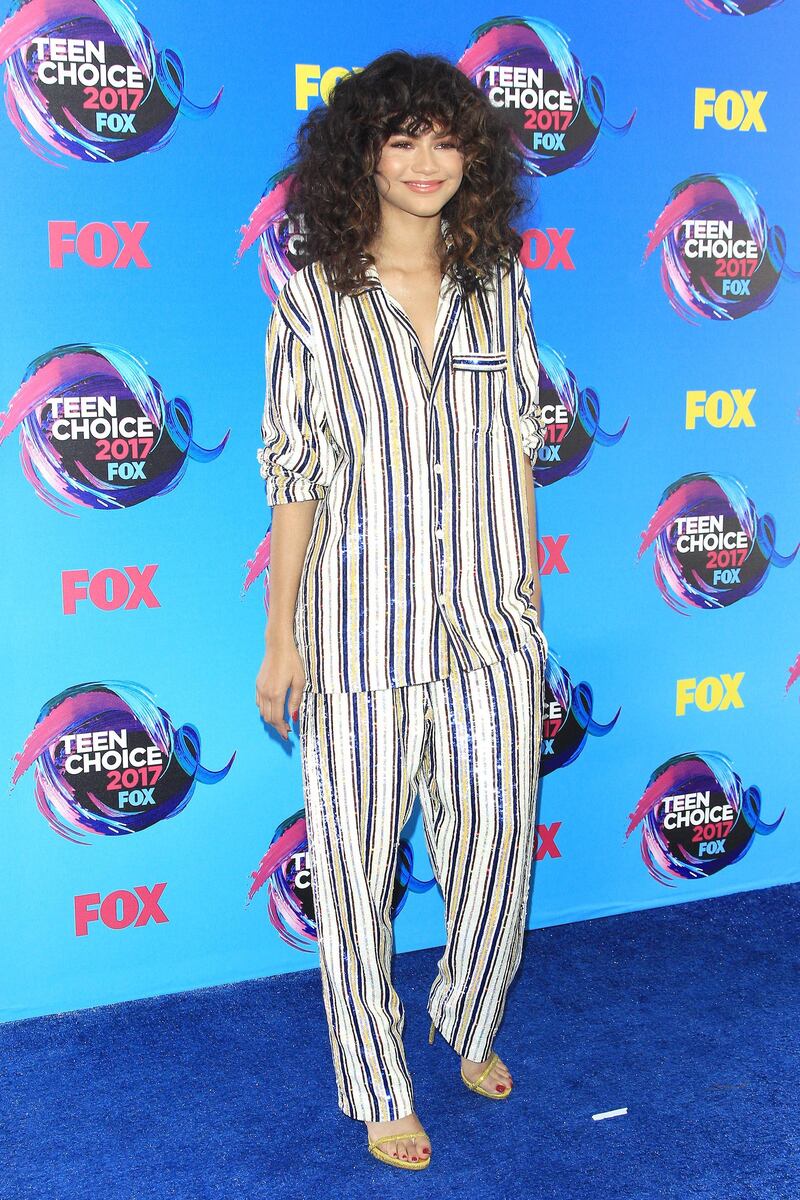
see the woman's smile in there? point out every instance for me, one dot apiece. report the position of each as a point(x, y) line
point(426, 186)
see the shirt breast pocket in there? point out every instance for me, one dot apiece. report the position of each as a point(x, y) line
point(480, 381)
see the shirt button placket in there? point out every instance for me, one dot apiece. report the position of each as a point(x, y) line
point(439, 533)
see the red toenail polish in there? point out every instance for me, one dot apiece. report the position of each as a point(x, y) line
point(500, 1088)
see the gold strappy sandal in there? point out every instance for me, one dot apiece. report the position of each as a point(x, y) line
point(374, 1148)
point(475, 1085)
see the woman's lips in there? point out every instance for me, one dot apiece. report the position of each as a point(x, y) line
point(424, 187)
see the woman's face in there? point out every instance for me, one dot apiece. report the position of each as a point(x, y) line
point(419, 174)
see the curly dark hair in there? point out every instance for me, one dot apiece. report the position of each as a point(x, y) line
point(332, 198)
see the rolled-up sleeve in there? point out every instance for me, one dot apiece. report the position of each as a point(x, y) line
point(293, 458)
point(526, 368)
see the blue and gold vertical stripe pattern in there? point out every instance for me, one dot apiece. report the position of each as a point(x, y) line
point(419, 562)
point(469, 746)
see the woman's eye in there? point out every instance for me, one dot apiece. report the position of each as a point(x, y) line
point(401, 144)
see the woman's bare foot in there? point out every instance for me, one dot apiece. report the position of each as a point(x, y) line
point(412, 1144)
point(498, 1080)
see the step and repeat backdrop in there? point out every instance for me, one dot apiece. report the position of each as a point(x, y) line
point(153, 830)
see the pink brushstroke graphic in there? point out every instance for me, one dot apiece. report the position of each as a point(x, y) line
point(731, 8)
point(711, 275)
point(108, 761)
point(696, 818)
point(286, 914)
point(568, 717)
point(285, 870)
point(69, 465)
point(794, 673)
point(572, 427)
point(56, 118)
point(565, 138)
point(269, 227)
point(695, 578)
point(257, 565)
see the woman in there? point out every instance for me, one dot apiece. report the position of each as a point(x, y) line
point(400, 429)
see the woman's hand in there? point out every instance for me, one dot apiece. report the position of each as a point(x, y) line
point(281, 671)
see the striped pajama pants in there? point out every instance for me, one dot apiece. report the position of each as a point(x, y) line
point(469, 745)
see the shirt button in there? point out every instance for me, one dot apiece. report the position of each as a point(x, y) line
point(440, 534)
point(437, 468)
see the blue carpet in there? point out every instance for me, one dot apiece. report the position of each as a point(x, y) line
point(686, 1015)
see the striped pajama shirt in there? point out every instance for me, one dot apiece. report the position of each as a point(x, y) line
point(420, 639)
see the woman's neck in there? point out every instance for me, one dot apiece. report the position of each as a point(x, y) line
point(406, 242)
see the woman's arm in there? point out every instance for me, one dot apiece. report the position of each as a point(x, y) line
point(526, 368)
point(530, 497)
point(282, 668)
point(296, 466)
